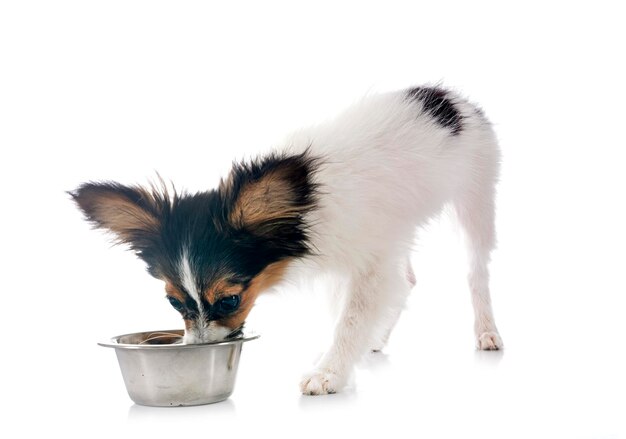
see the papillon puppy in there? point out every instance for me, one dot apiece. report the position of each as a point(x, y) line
point(343, 198)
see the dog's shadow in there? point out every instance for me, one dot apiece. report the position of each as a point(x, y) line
point(489, 358)
point(347, 395)
point(140, 413)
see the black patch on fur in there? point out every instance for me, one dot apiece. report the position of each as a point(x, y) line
point(437, 104)
point(199, 225)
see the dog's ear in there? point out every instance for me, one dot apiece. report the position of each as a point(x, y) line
point(268, 198)
point(133, 214)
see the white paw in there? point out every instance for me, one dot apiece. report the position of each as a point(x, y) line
point(489, 341)
point(321, 382)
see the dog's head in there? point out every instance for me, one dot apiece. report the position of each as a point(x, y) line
point(217, 250)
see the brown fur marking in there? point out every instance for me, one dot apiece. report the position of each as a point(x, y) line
point(121, 215)
point(189, 324)
point(174, 292)
point(221, 288)
point(269, 198)
point(272, 274)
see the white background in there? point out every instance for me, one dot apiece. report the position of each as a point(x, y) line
point(120, 89)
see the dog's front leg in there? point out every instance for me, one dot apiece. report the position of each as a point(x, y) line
point(353, 335)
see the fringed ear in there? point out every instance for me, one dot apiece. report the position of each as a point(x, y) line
point(133, 214)
point(269, 198)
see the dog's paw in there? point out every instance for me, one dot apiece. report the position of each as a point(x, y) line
point(489, 341)
point(321, 382)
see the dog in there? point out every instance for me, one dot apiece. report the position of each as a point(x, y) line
point(343, 198)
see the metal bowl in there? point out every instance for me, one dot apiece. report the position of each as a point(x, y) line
point(160, 370)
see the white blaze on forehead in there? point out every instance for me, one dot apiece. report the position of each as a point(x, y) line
point(188, 280)
point(200, 332)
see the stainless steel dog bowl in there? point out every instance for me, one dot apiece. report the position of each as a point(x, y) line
point(160, 370)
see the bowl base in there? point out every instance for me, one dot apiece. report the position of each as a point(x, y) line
point(216, 399)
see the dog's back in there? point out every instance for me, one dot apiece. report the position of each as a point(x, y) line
point(392, 161)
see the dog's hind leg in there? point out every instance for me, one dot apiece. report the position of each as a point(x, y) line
point(476, 213)
point(395, 305)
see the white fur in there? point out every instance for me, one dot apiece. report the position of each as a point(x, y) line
point(200, 332)
point(387, 167)
point(188, 279)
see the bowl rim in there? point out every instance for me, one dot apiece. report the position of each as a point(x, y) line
point(113, 341)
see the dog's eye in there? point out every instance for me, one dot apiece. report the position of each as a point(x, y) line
point(228, 304)
point(178, 306)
